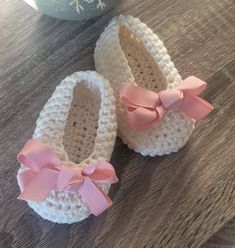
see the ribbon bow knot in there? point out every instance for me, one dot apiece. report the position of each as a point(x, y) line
point(46, 172)
point(145, 107)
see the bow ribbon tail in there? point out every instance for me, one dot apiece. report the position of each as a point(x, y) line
point(35, 186)
point(195, 107)
point(96, 200)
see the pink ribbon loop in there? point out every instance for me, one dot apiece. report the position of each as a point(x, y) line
point(45, 172)
point(145, 107)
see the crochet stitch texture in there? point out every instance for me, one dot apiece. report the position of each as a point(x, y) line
point(79, 123)
point(129, 52)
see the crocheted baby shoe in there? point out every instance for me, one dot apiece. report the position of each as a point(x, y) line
point(64, 175)
point(158, 116)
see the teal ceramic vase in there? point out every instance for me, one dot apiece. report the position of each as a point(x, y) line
point(72, 9)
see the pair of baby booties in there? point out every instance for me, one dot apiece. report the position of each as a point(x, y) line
point(64, 174)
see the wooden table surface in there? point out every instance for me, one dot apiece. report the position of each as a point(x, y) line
point(170, 201)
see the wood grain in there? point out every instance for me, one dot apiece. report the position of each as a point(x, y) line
point(170, 201)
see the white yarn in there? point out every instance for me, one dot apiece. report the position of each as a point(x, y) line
point(127, 52)
point(79, 123)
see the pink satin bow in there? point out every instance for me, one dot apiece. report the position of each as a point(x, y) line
point(145, 107)
point(46, 172)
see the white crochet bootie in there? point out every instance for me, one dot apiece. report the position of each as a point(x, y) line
point(78, 129)
point(128, 52)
